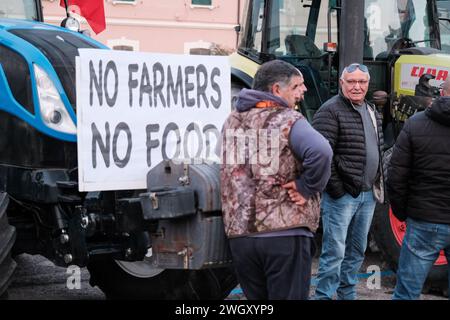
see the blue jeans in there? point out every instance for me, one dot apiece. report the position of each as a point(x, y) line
point(420, 249)
point(346, 223)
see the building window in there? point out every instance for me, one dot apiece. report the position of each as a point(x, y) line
point(123, 44)
point(200, 51)
point(198, 47)
point(124, 48)
point(201, 2)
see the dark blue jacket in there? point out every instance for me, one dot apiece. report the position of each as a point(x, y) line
point(418, 183)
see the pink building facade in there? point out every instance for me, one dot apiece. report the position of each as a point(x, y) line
point(166, 26)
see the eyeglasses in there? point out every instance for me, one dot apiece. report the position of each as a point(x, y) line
point(354, 82)
point(351, 68)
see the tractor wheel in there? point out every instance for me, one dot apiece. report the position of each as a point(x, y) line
point(138, 280)
point(389, 232)
point(7, 239)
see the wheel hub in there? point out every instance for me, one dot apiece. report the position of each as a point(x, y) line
point(140, 269)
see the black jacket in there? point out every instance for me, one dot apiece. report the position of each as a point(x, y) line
point(339, 122)
point(418, 183)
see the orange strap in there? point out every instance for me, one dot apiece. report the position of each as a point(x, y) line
point(267, 104)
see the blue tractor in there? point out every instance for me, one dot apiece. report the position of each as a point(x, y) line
point(42, 211)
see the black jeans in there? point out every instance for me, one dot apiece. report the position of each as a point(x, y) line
point(274, 268)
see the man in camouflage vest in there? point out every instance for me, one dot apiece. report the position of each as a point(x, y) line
point(274, 167)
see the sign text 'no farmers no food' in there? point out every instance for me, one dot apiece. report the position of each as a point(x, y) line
point(136, 109)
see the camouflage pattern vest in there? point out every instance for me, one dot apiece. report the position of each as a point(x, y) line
point(253, 172)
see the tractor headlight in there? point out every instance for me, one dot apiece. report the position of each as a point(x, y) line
point(71, 23)
point(53, 112)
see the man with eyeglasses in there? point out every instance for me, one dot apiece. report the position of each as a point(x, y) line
point(354, 130)
point(418, 186)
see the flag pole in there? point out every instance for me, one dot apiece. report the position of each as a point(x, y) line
point(67, 8)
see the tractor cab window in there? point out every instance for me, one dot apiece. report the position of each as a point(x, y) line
point(19, 9)
point(294, 31)
point(288, 35)
point(443, 7)
point(297, 33)
point(295, 28)
point(390, 22)
point(299, 28)
point(444, 26)
point(251, 43)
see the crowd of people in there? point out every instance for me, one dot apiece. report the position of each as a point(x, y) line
point(330, 171)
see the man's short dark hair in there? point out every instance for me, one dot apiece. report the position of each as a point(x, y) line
point(275, 71)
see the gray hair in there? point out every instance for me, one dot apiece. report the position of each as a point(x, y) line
point(275, 71)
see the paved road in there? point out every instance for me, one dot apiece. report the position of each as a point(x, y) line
point(37, 278)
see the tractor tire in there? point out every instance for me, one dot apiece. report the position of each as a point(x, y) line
point(7, 239)
point(117, 283)
point(389, 244)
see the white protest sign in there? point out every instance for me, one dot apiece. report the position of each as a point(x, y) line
point(136, 109)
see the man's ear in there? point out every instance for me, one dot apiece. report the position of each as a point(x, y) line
point(276, 89)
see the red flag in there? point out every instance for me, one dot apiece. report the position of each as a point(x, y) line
point(92, 10)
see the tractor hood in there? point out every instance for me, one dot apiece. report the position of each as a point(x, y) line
point(30, 51)
point(59, 46)
point(409, 68)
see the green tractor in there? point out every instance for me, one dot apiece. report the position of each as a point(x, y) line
point(398, 40)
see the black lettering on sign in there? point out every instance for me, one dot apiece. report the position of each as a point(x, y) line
point(171, 127)
point(158, 86)
point(104, 146)
point(122, 126)
point(111, 66)
point(189, 86)
point(151, 144)
point(216, 102)
point(95, 81)
point(145, 87)
point(132, 83)
point(175, 88)
point(202, 84)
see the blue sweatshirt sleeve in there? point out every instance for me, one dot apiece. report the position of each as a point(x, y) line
point(315, 153)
